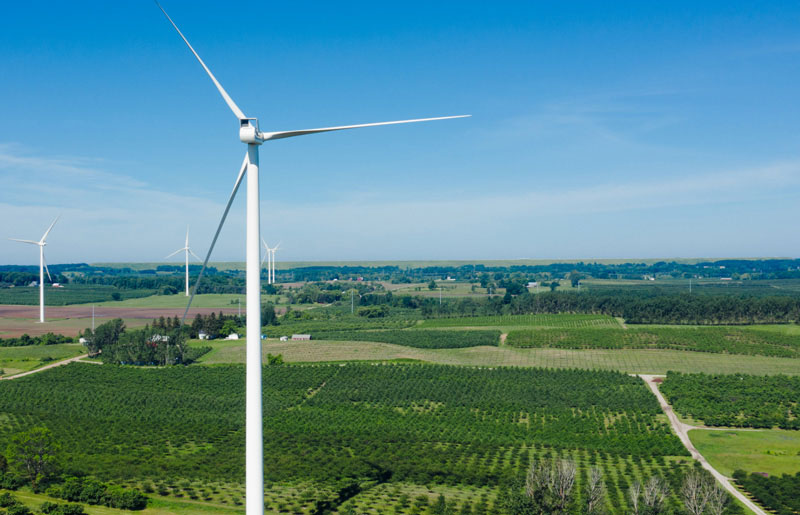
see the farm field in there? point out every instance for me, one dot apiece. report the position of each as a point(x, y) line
point(397, 431)
point(69, 294)
point(207, 300)
point(510, 321)
point(730, 340)
point(69, 320)
point(736, 400)
point(14, 360)
point(774, 451)
point(634, 361)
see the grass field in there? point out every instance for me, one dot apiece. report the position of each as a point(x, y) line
point(14, 360)
point(638, 361)
point(771, 451)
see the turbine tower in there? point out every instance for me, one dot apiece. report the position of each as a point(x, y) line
point(270, 262)
point(268, 258)
point(253, 137)
point(186, 250)
point(42, 266)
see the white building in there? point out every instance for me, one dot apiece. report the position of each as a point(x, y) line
point(301, 337)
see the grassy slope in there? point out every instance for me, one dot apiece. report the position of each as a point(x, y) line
point(209, 300)
point(774, 451)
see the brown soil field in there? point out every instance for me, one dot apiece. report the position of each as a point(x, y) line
point(69, 320)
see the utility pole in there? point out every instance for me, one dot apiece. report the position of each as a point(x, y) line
point(440, 295)
point(690, 285)
point(352, 305)
point(92, 318)
point(239, 302)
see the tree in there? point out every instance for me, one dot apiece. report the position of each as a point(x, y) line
point(229, 327)
point(105, 335)
point(594, 492)
point(655, 495)
point(268, 315)
point(33, 453)
point(695, 492)
point(432, 285)
point(718, 499)
point(554, 286)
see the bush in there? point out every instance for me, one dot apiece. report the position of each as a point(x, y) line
point(62, 509)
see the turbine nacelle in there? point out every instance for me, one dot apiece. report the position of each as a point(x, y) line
point(248, 131)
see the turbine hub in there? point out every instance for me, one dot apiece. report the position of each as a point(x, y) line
point(248, 131)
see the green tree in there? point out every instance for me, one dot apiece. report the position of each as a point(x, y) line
point(33, 454)
point(432, 285)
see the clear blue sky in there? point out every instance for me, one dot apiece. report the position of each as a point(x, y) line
point(599, 129)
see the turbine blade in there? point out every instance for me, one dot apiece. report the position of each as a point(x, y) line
point(195, 255)
point(187, 236)
point(25, 241)
point(290, 134)
point(276, 246)
point(265, 243)
point(216, 235)
point(44, 261)
point(49, 229)
point(264, 258)
point(228, 100)
point(179, 250)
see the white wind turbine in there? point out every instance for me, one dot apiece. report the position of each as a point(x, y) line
point(186, 250)
point(42, 266)
point(269, 256)
point(250, 134)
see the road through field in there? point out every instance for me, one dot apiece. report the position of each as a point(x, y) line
point(47, 367)
point(682, 430)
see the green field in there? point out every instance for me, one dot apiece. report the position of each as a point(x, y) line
point(629, 361)
point(772, 451)
point(207, 300)
point(728, 340)
point(538, 321)
point(69, 294)
point(14, 360)
point(397, 431)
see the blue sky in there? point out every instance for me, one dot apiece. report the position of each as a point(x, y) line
point(599, 129)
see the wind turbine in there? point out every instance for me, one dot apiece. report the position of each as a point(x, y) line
point(42, 266)
point(271, 271)
point(268, 258)
point(186, 250)
point(250, 134)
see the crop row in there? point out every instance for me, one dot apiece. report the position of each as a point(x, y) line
point(699, 339)
point(349, 324)
point(566, 320)
point(418, 338)
point(736, 400)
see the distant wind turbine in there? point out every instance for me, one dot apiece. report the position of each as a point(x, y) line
point(270, 258)
point(186, 250)
point(42, 266)
point(250, 134)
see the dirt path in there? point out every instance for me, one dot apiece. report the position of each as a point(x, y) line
point(503, 339)
point(51, 365)
point(682, 430)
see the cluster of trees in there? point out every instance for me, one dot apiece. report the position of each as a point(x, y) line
point(635, 306)
point(779, 494)
point(216, 325)
point(162, 344)
point(25, 278)
point(91, 491)
point(736, 400)
point(423, 339)
point(45, 339)
point(550, 488)
point(703, 339)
